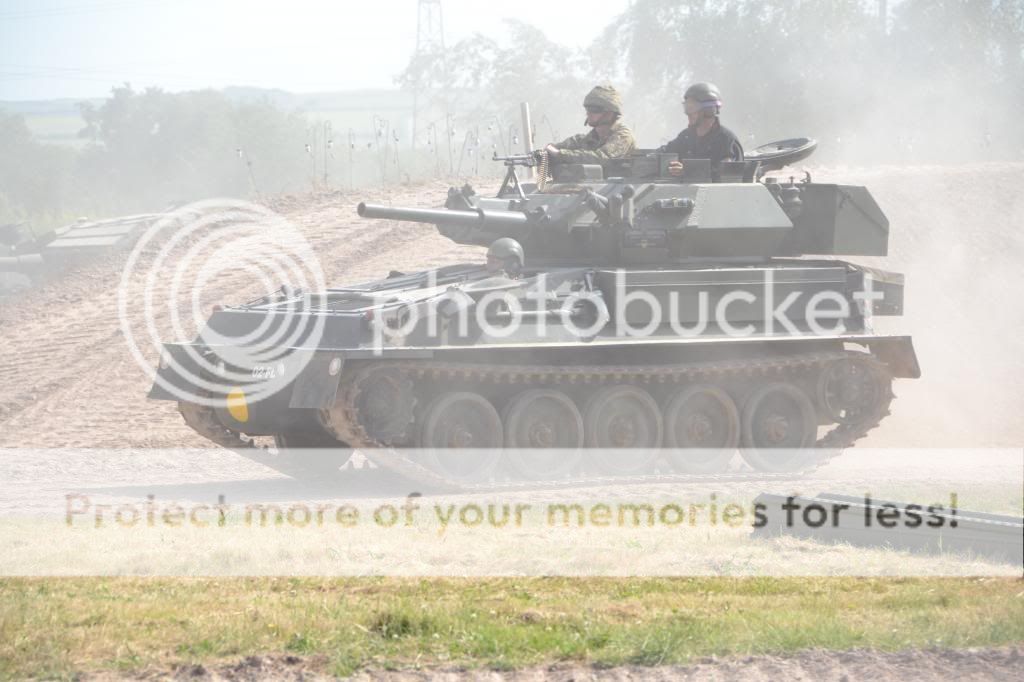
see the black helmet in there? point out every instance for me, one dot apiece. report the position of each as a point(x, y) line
point(705, 93)
point(506, 249)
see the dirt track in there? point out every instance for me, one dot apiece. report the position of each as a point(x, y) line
point(67, 380)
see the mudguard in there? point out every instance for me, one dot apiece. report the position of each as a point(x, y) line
point(177, 364)
point(898, 353)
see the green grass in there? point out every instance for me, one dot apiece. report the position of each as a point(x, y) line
point(57, 627)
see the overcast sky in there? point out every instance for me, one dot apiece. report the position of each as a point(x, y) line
point(81, 48)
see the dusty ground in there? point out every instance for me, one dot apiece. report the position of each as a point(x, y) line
point(67, 380)
point(818, 666)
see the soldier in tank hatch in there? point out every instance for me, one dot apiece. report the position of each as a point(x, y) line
point(506, 257)
point(705, 137)
point(609, 137)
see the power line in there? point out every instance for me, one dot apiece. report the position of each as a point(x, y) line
point(43, 70)
point(9, 75)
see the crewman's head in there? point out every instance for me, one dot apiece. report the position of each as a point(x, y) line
point(505, 255)
point(603, 105)
point(701, 101)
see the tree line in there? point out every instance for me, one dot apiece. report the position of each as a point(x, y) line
point(932, 80)
point(145, 150)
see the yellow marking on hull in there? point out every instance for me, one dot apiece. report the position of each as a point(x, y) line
point(237, 407)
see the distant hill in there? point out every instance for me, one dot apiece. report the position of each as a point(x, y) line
point(324, 101)
point(47, 107)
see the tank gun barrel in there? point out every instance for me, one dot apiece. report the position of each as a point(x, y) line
point(443, 216)
point(22, 262)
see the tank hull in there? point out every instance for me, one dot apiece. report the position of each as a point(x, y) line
point(371, 378)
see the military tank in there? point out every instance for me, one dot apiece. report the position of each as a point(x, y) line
point(630, 322)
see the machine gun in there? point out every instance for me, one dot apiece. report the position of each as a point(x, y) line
point(529, 160)
point(511, 182)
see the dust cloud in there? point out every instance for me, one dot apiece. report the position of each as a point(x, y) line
point(955, 234)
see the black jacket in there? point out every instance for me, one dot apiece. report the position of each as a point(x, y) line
point(718, 145)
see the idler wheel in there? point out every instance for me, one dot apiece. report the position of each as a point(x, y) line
point(624, 424)
point(543, 434)
point(702, 430)
point(385, 406)
point(310, 455)
point(854, 390)
point(462, 436)
point(779, 425)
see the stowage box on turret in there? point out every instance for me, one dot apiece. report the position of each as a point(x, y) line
point(648, 323)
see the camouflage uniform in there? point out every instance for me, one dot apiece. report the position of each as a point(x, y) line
point(588, 147)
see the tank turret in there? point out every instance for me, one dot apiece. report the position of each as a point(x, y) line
point(649, 217)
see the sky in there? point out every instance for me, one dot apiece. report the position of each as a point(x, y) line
point(82, 48)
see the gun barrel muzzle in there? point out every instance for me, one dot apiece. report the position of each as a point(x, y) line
point(441, 216)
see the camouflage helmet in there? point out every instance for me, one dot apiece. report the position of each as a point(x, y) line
point(705, 93)
point(603, 98)
point(505, 249)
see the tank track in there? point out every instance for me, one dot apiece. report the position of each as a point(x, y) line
point(344, 423)
point(203, 420)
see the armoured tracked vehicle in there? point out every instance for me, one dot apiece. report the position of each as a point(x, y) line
point(657, 323)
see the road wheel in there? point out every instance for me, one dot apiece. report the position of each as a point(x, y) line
point(543, 434)
point(623, 424)
point(462, 435)
point(702, 430)
point(779, 428)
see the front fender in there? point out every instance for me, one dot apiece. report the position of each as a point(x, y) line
point(897, 352)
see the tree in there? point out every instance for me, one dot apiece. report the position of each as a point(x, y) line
point(34, 178)
point(153, 148)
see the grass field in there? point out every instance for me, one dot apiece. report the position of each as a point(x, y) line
point(57, 627)
point(59, 128)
